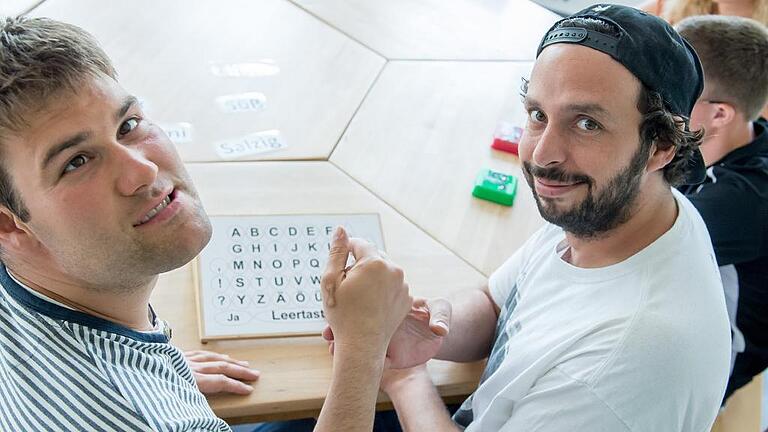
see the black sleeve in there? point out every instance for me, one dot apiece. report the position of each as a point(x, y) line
point(735, 216)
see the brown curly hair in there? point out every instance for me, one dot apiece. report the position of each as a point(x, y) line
point(665, 129)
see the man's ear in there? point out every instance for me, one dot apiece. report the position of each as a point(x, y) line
point(14, 233)
point(660, 157)
point(723, 115)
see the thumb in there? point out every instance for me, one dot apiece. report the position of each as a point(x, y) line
point(439, 316)
point(337, 261)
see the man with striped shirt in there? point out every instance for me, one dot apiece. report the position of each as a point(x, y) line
point(94, 204)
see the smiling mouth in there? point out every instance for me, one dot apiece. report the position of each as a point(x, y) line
point(553, 190)
point(555, 184)
point(160, 207)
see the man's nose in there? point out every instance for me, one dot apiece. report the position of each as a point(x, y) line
point(135, 171)
point(549, 148)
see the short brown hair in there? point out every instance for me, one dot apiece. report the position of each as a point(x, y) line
point(39, 58)
point(734, 55)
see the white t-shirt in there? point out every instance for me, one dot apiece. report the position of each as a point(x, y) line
point(642, 345)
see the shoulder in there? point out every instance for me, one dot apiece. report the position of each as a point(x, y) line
point(732, 195)
point(734, 207)
point(542, 242)
point(694, 236)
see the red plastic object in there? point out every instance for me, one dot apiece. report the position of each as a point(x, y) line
point(507, 138)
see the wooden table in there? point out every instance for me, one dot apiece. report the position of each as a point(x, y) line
point(296, 371)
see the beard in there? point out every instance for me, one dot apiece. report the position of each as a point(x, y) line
point(602, 210)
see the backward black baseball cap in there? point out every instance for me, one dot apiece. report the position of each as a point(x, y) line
point(652, 51)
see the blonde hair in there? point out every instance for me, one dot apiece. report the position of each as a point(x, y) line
point(675, 10)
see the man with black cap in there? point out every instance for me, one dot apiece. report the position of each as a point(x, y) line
point(612, 316)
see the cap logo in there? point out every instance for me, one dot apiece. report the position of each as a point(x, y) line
point(601, 8)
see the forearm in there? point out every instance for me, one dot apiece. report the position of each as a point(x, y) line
point(419, 406)
point(351, 399)
point(473, 324)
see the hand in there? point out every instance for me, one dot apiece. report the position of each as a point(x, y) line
point(419, 337)
point(219, 373)
point(365, 304)
point(395, 379)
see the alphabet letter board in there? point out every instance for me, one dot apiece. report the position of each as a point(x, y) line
point(260, 275)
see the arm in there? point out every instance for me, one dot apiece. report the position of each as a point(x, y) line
point(364, 306)
point(416, 400)
point(351, 400)
point(459, 331)
point(473, 324)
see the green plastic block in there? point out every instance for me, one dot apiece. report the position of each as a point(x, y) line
point(496, 187)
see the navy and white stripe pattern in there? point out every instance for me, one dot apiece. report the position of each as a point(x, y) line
point(63, 370)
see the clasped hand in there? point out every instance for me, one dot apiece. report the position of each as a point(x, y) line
point(368, 304)
point(363, 304)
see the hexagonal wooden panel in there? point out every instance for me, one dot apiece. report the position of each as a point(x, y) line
point(224, 76)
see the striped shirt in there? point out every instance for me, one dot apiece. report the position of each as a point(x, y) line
point(64, 370)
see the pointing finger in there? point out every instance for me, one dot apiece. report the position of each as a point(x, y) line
point(334, 269)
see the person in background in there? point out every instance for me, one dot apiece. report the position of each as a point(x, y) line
point(675, 10)
point(733, 200)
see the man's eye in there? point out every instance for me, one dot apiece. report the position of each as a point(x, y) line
point(128, 126)
point(76, 163)
point(588, 124)
point(537, 116)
